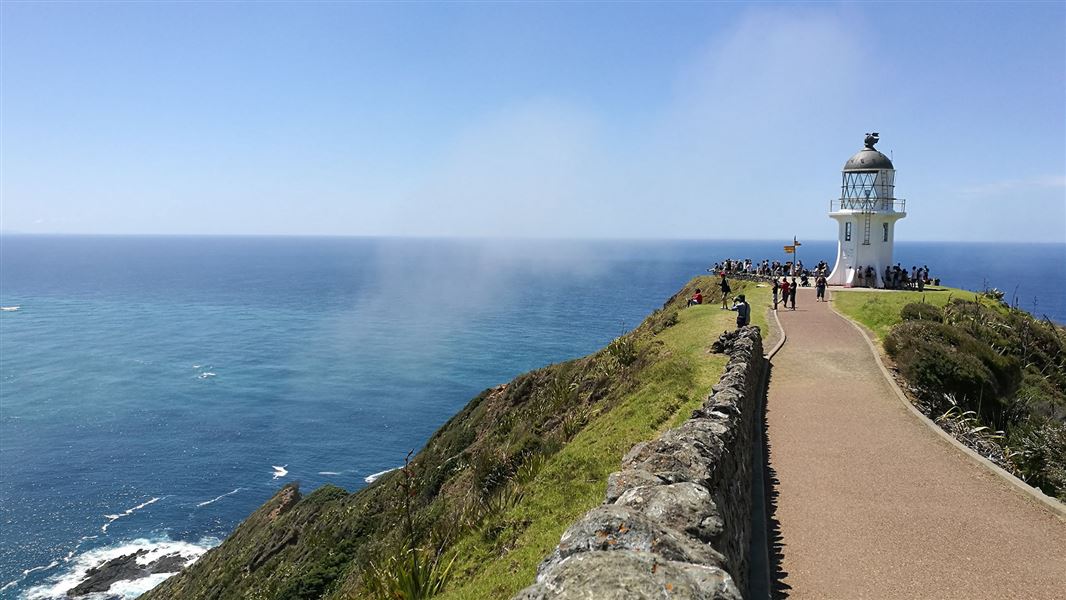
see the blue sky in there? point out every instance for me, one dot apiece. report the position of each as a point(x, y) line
point(685, 120)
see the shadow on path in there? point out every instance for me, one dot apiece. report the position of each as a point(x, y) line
point(774, 539)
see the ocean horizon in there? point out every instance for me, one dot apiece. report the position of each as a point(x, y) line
point(155, 390)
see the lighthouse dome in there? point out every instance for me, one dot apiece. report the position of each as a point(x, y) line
point(868, 159)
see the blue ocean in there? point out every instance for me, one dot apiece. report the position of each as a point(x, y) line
point(156, 390)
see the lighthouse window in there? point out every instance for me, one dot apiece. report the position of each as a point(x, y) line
point(847, 231)
point(859, 188)
point(885, 226)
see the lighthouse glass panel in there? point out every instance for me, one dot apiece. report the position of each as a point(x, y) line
point(859, 190)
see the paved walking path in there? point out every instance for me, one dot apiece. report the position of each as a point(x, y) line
point(871, 503)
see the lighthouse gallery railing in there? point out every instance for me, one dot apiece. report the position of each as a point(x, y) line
point(868, 204)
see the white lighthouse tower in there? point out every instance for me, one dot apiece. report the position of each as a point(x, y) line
point(866, 214)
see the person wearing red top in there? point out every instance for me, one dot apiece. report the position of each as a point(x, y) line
point(697, 298)
point(784, 291)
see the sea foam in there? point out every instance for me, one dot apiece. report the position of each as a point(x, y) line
point(77, 568)
point(217, 498)
point(376, 476)
point(129, 511)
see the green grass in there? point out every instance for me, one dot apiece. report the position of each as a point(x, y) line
point(879, 310)
point(574, 480)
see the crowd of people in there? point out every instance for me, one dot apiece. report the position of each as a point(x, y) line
point(784, 289)
point(765, 268)
point(894, 277)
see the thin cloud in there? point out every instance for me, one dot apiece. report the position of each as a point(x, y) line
point(995, 188)
point(723, 141)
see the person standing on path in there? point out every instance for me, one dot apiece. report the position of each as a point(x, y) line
point(784, 292)
point(724, 285)
point(776, 289)
point(792, 293)
point(820, 283)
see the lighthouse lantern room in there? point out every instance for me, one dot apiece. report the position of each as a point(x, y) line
point(866, 215)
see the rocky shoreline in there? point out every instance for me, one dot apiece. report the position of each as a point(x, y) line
point(127, 567)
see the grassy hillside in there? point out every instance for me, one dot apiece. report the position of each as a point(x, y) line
point(992, 376)
point(492, 490)
point(880, 310)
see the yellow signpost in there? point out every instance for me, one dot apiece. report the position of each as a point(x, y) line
point(790, 249)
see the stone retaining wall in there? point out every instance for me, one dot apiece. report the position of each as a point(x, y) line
point(676, 522)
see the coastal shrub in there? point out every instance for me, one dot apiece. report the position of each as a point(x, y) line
point(920, 311)
point(995, 294)
point(993, 368)
point(943, 359)
point(313, 582)
point(574, 422)
point(324, 495)
point(528, 471)
point(1039, 397)
point(663, 320)
point(1039, 454)
point(491, 470)
point(623, 349)
point(508, 496)
point(409, 574)
point(561, 392)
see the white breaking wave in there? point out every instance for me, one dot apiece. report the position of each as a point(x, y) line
point(205, 375)
point(280, 471)
point(112, 518)
point(329, 472)
point(56, 586)
point(216, 499)
point(9, 309)
point(74, 550)
point(376, 476)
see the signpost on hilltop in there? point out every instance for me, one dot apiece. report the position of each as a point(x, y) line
point(791, 249)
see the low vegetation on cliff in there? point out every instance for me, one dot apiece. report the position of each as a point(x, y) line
point(993, 376)
point(474, 512)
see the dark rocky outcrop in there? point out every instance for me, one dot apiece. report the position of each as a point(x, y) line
point(126, 568)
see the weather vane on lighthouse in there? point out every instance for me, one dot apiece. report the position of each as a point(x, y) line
point(866, 215)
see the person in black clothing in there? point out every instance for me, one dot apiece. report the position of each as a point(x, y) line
point(820, 284)
point(724, 286)
point(777, 289)
point(792, 293)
